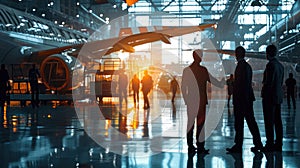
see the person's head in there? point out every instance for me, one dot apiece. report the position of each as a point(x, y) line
point(271, 51)
point(2, 66)
point(197, 55)
point(145, 72)
point(290, 75)
point(231, 76)
point(33, 65)
point(240, 52)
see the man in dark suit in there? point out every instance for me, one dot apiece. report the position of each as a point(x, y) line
point(4, 83)
point(33, 76)
point(243, 98)
point(290, 90)
point(272, 97)
point(147, 86)
point(123, 85)
point(135, 84)
point(193, 87)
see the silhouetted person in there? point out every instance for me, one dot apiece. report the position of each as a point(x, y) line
point(290, 84)
point(4, 84)
point(123, 85)
point(33, 76)
point(173, 87)
point(243, 97)
point(257, 160)
point(135, 83)
point(229, 83)
point(194, 91)
point(272, 97)
point(147, 85)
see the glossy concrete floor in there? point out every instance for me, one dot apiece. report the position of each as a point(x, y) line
point(78, 136)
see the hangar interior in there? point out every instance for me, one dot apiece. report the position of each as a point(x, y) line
point(74, 134)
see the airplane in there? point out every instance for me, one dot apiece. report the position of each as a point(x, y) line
point(58, 64)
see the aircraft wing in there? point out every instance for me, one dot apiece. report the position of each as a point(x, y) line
point(127, 43)
point(19, 53)
point(56, 50)
point(97, 49)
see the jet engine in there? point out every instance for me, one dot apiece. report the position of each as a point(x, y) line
point(57, 72)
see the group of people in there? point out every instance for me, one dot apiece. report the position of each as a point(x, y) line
point(195, 77)
point(5, 86)
point(194, 92)
point(147, 85)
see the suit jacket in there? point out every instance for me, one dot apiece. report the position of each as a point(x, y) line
point(242, 90)
point(272, 82)
point(194, 82)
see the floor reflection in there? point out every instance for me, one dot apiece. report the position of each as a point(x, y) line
point(56, 137)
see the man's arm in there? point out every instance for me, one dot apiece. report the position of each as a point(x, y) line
point(216, 82)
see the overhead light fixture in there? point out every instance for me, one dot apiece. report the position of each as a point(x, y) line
point(256, 3)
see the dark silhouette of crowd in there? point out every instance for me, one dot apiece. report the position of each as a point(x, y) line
point(239, 85)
